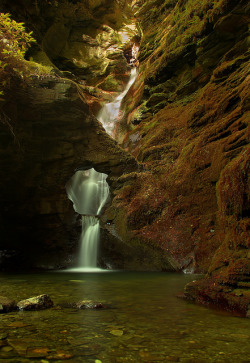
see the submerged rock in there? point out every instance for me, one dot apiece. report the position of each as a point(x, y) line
point(117, 333)
point(85, 304)
point(7, 304)
point(89, 304)
point(35, 303)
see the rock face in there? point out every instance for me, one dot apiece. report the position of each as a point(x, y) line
point(81, 38)
point(47, 132)
point(187, 122)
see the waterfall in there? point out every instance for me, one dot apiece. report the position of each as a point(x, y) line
point(110, 111)
point(89, 242)
point(88, 190)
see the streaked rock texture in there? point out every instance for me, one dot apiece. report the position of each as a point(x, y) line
point(186, 119)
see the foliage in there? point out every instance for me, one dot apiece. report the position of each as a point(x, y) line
point(14, 42)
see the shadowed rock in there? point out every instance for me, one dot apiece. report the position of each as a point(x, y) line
point(7, 304)
point(54, 133)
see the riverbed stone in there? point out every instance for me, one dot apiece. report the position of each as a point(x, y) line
point(35, 303)
point(89, 304)
point(117, 333)
point(7, 304)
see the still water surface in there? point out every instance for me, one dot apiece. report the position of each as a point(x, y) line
point(145, 321)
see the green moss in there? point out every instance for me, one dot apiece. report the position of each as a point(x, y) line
point(111, 84)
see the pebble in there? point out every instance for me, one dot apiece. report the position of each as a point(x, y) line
point(242, 336)
point(117, 333)
point(171, 358)
point(37, 352)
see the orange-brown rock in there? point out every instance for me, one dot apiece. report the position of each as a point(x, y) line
point(187, 121)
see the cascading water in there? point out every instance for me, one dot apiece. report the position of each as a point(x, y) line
point(89, 239)
point(110, 111)
point(89, 191)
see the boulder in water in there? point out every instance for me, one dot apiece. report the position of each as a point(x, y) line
point(35, 303)
point(89, 304)
point(7, 304)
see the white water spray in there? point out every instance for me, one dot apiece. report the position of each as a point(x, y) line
point(89, 245)
point(109, 113)
point(89, 191)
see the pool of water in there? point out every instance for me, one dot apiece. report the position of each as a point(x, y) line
point(144, 321)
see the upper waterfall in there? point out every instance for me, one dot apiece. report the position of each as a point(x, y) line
point(109, 113)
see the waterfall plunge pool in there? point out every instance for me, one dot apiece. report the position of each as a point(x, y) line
point(146, 322)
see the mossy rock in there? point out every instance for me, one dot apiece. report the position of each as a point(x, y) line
point(155, 99)
point(111, 84)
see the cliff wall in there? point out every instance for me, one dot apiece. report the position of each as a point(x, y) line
point(186, 119)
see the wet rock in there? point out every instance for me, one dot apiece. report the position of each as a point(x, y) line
point(35, 303)
point(89, 304)
point(117, 333)
point(172, 358)
point(38, 352)
point(60, 354)
point(7, 304)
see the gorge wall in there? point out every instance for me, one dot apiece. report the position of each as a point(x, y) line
point(179, 179)
point(187, 121)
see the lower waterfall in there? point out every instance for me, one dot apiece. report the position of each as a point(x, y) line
point(89, 242)
point(88, 190)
